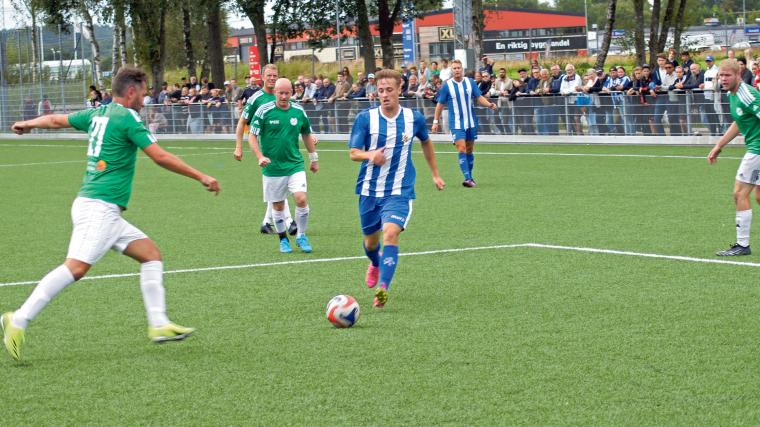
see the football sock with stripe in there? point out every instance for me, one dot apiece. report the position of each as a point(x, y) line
point(373, 255)
point(388, 265)
point(154, 295)
point(50, 285)
point(279, 222)
point(464, 166)
point(470, 162)
point(743, 223)
point(302, 219)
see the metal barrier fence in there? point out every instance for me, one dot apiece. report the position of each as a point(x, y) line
point(675, 113)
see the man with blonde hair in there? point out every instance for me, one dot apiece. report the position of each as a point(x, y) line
point(381, 139)
point(744, 101)
point(460, 94)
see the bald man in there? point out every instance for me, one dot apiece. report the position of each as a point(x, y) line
point(274, 135)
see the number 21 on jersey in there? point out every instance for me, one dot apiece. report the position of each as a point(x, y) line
point(97, 132)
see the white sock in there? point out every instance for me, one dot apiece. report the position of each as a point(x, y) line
point(268, 215)
point(152, 287)
point(50, 285)
point(743, 224)
point(302, 219)
point(286, 210)
point(279, 221)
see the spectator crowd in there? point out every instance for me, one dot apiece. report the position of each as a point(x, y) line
point(674, 96)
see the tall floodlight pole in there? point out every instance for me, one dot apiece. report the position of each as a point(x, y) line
point(337, 33)
point(3, 80)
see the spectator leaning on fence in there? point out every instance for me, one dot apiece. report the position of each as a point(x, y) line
point(341, 89)
point(412, 87)
point(570, 86)
point(44, 107)
point(357, 91)
point(746, 74)
point(686, 62)
point(370, 88)
point(445, 73)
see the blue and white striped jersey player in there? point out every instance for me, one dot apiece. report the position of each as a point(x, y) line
point(381, 139)
point(460, 93)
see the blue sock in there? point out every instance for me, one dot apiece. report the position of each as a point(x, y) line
point(470, 162)
point(464, 166)
point(374, 255)
point(388, 266)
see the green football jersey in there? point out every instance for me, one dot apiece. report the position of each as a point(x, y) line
point(278, 131)
point(254, 103)
point(745, 110)
point(115, 133)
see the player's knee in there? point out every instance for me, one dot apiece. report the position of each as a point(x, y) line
point(300, 199)
point(78, 269)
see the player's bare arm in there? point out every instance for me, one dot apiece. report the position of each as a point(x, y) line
point(239, 139)
point(429, 152)
point(730, 134)
point(484, 102)
point(171, 162)
point(436, 116)
point(375, 156)
point(253, 141)
point(52, 121)
point(308, 142)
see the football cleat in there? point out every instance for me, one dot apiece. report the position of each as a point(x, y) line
point(293, 228)
point(13, 337)
point(267, 229)
point(372, 275)
point(469, 183)
point(169, 332)
point(285, 246)
point(381, 296)
point(735, 250)
point(303, 242)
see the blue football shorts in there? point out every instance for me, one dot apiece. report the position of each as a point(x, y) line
point(376, 211)
point(470, 134)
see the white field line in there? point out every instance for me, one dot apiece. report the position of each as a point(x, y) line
point(430, 252)
point(478, 153)
point(83, 161)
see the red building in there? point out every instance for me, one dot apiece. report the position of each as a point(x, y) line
point(509, 33)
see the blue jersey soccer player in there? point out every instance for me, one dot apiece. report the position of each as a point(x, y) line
point(459, 93)
point(381, 139)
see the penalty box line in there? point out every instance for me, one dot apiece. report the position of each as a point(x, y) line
point(420, 253)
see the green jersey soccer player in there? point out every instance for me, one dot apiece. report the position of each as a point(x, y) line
point(115, 133)
point(264, 96)
point(274, 140)
point(744, 101)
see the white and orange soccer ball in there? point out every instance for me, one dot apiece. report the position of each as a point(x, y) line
point(343, 311)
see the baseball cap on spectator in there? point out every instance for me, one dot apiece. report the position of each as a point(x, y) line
point(709, 58)
point(645, 66)
point(370, 76)
point(403, 65)
point(226, 82)
point(599, 72)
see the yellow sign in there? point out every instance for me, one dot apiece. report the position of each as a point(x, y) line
point(446, 34)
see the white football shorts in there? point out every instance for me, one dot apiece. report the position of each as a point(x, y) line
point(98, 227)
point(276, 188)
point(749, 169)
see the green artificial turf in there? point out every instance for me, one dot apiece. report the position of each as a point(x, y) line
point(523, 335)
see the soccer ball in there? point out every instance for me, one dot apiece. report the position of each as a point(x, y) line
point(343, 311)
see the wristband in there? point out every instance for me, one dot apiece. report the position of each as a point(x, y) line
point(313, 157)
point(435, 121)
